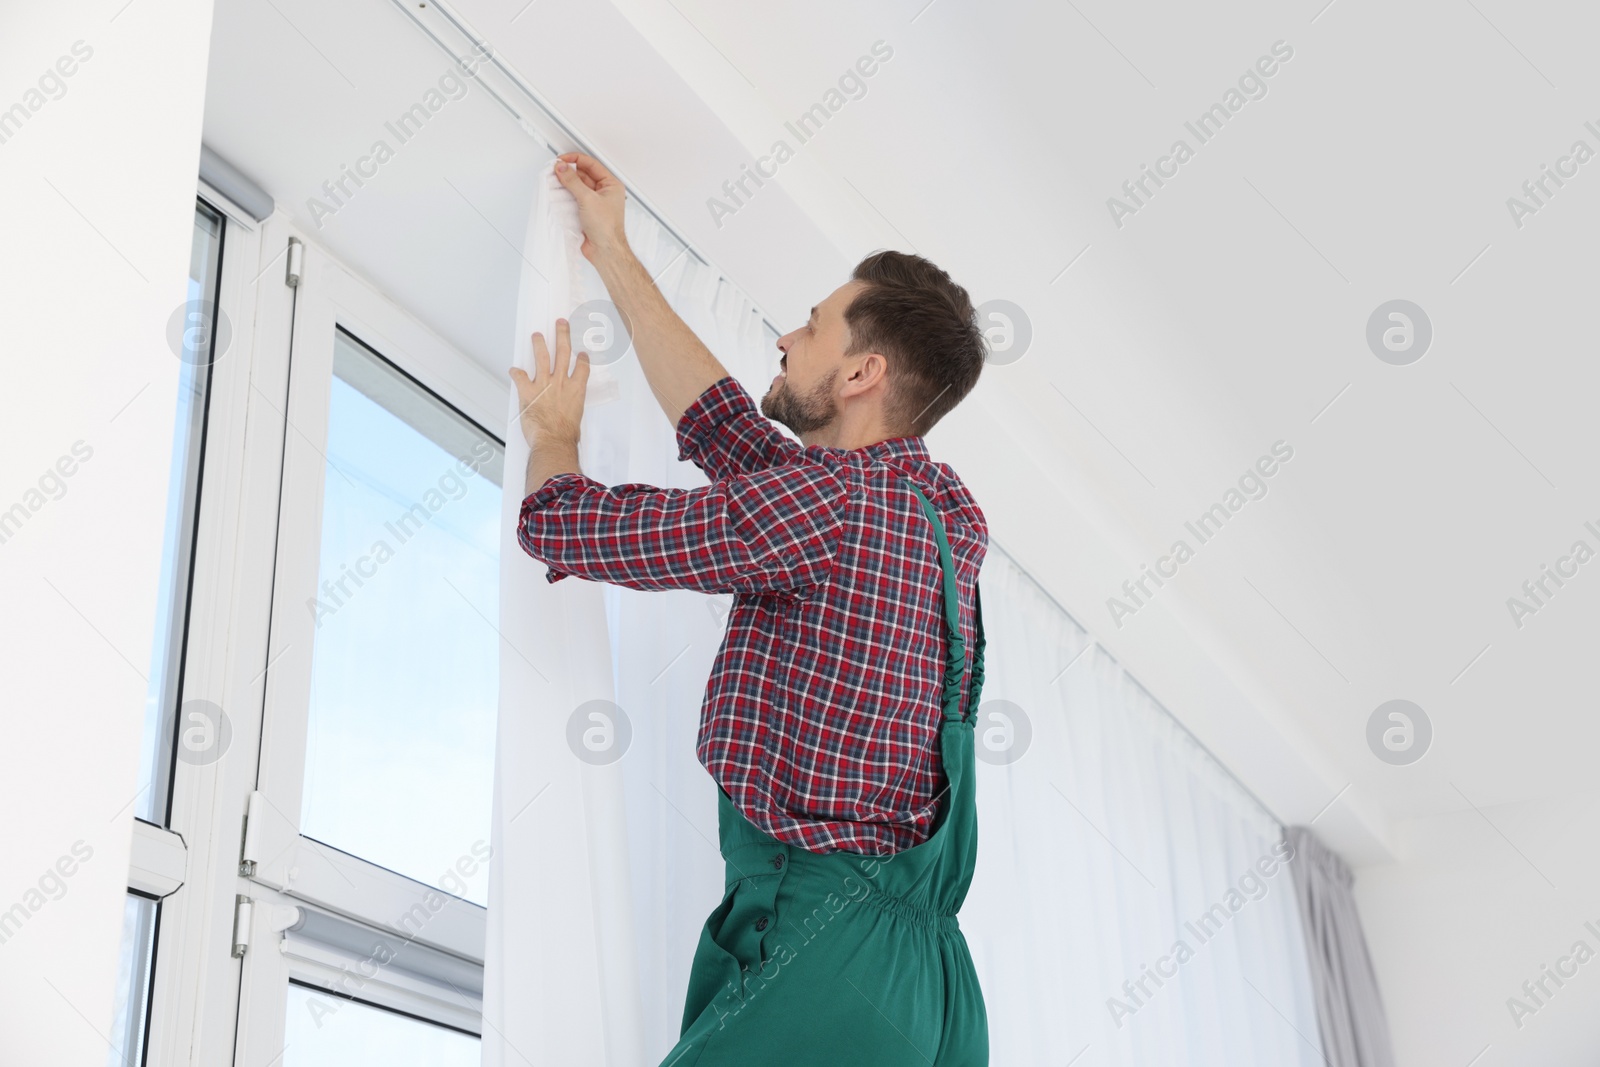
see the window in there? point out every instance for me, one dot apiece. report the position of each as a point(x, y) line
point(400, 733)
point(327, 1030)
point(368, 815)
point(157, 857)
point(196, 341)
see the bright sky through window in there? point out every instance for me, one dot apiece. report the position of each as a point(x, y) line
point(400, 749)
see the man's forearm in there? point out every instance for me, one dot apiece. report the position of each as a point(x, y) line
point(548, 458)
point(675, 362)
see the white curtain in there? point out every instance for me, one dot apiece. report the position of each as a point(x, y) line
point(1100, 848)
point(603, 872)
point(1110, 831)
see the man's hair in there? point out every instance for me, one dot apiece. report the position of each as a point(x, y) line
point(925, 326)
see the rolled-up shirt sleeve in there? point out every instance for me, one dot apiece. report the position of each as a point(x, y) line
point(776, 530)
point(724, 433)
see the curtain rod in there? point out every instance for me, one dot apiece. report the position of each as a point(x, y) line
point(542, 122)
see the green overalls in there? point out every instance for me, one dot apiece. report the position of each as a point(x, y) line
point(840, 958)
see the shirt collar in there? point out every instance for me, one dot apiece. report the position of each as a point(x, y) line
point(900, 450)
point(915, 448)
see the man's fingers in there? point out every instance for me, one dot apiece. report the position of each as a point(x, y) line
point(527, 387)
point(563, 342)
point(575, 181)
point(546, 366)
point(541, 357)
point(527, 391)
point(558, 381)
point(590, 167)
point(568, 177)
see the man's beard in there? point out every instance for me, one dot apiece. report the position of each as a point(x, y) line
point(802, 413)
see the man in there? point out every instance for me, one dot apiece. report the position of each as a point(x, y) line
point(837, 720)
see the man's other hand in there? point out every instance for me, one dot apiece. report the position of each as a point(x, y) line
point(551, 401)
point(600, 197)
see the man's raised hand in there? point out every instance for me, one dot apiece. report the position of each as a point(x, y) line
point(551, 401)
point(600, 198)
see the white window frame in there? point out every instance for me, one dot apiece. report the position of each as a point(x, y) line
point(257, 548)
point(194, 989)
point(292, 873)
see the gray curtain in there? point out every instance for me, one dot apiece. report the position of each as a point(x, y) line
point(1355, 1030)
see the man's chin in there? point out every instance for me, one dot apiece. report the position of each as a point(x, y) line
point(781, 407)
point(772, 405)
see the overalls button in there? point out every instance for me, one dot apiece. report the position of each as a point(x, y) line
point(761, 923)
point(777, 862)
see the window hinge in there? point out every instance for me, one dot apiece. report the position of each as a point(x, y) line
point(243, 906)
point(296, 261)
point(249, 835)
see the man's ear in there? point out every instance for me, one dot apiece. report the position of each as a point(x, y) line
point(870, 370)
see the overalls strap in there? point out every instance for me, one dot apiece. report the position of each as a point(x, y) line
point(955, 664)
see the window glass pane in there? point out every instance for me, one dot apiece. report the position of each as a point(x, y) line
point(133, 981)
point(193, 340)
point(325, 1030)
point(404, 686)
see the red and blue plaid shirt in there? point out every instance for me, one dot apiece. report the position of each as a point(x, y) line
point(821, 717)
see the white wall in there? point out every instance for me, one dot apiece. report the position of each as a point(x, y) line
point(99, 184)
point(1480, 903)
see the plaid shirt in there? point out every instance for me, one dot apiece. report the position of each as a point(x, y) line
point(821, 717)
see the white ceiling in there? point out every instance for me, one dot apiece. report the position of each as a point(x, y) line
point(1227, 314)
